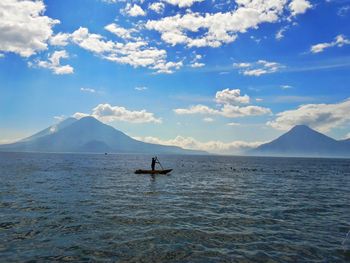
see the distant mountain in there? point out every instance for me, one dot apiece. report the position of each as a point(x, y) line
point(304, 141)
point(51, 129)
point(88, 135)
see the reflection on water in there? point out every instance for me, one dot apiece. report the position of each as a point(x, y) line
point(70, 207)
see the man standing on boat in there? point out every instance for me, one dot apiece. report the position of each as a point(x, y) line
point(154, 161)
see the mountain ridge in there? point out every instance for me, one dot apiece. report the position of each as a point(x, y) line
point(88, 135)
point(301, 140)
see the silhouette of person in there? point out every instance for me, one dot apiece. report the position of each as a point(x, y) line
point(154, 160)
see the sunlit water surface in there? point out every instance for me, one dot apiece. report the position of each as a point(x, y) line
point(70, 207)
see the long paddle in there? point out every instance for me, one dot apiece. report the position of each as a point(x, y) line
point(160, 164)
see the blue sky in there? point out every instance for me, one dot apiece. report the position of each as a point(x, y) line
point(214, 75)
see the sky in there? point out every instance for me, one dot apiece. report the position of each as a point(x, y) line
point(216, 75)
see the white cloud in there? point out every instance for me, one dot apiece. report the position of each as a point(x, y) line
point(23, 27)
point(157, 7)
point(242, 65)
point(208, 119)
point(134, 10)
point(79, 115)
point(134, 53)
point(195, 61)
point(91, 42)
point(218, 147)
point(280, 33)
point(198, 109)
point(59, 118)
point(141, 88)
point(232, 96)
point(258, 68)
point(110, 1)
point(299, 6)
point(222, 27)
point(54, 63)
point(60, 39)
point(167, 67)
point(2, 55)
point(182, 3)
point(344, 10)
point(322, 117)
point(197, 65)
point(108, 113)
point(120, 31)
point(339, 41)
point(286, 87)
point(88, 90)
point(229, 109)
point(233, 124)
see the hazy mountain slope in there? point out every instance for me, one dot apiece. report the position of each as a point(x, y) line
point(51, 129)
point(88, 135)
point(303, 141)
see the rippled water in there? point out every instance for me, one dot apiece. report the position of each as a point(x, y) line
point(228, 209)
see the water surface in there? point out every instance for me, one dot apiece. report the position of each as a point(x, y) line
point(71, 207)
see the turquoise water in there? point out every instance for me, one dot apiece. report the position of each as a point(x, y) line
point(70, 207)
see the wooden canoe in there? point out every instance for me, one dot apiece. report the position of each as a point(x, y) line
point(153, 172)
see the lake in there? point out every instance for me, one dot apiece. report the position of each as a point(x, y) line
point(81, 207)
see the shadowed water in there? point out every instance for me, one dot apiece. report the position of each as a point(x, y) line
point(69, 207)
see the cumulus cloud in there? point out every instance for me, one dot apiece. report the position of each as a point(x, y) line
point(258, 68)
point(92, 42)
point(232, 96)
point(54, 63)
point(60, 39)
point(229, 109)
point(79, 115)
point(134, 10)
point(322, 117)
point(135, 53)
point(218, 147)
point(157, 7)
point(109, 113)
point(167, 67)
point(182, 3)
point(24, 29)
point(339, 41)
point(221, 27)
point(299, 6)
point(195, 63)
point(232, 111)
point(198, 109)
point(120, 31)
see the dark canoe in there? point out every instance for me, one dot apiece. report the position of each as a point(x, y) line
point(153, 172)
